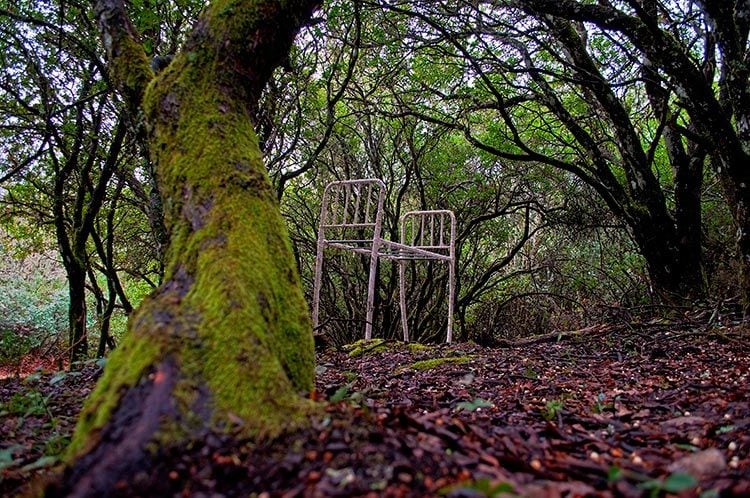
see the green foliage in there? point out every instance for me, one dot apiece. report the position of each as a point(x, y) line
point(33, 304)
point(340, 394)
point(614, 473)
point(673, 483)
point(26, 404)
point(56, 444)
point(481, 487)
point(474, 405)
point(40, 463)
point(601, 404)
point(32, 295)
point(553, 408)
point(6, 456)
point(61, 376)
point(530, 373)
point(344, 393)
point(13, 346)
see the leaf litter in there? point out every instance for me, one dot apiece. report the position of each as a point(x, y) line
point(629, 411)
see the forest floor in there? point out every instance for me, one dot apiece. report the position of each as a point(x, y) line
point(652, 409)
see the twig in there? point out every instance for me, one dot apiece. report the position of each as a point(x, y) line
point(556, 336)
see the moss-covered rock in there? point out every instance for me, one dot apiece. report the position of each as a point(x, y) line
point(416, 347)
point(373, 346)
point(433, 363)
point(376, 346)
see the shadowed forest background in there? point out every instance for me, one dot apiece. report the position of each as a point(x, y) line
point(595, 155)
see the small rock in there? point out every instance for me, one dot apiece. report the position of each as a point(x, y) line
point(682, 421)
point(704, 464)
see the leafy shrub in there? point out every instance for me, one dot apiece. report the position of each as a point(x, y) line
point(13, 345)
point(33, 306)
point(26, 404)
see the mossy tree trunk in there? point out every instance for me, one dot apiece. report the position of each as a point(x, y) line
point(227, 335)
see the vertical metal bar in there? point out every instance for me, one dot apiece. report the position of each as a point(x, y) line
point(404, 221)
point(374, 263)
point(357, 200)
point(319, 254)
point(369, 203)
point(442, 229)
point(402, 298)
point(347, 190)
point(432, 229)
point(451, 279)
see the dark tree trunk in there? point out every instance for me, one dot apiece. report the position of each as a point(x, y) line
point(106, 251)
point(671, 279)
point(721, 118)
point(737, 192)
point(78, 340)
point(73, 226)
point(673, 261)
point(688, 217)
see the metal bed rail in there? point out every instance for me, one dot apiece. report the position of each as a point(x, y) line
point(357, 206)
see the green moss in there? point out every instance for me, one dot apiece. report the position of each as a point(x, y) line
point(436, 362)
point(125, 366)
point(375, 346)
point(256, 348)
point(362, 347)
point(130, 67)
point(415, 347)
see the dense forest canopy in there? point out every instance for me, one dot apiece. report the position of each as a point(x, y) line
point(594, 155)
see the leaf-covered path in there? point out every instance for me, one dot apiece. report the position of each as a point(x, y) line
point(642, 411)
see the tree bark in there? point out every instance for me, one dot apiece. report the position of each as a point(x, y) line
point(721, 118)
point(673, 259)
point(227, 335)
point(78, 336)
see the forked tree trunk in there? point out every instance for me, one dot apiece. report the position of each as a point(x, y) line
point(227, 335)
point(720, 117)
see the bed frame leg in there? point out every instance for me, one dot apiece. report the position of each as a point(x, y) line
point(402, 298)
point(371, 289)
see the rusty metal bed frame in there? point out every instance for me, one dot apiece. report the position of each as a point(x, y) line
point(351, 219)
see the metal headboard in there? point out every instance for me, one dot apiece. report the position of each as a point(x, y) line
point(351, 219)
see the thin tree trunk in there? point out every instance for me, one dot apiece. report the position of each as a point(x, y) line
point(78, 339)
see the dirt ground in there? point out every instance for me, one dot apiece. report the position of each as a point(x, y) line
point(650, 409)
